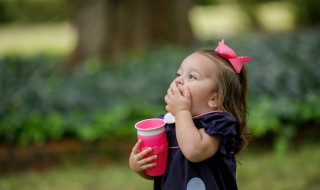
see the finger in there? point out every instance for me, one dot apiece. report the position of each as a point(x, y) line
point(167, 108)
point(145, 163)
point(173, 84)
point(169, 91)
point(175, 89)
point(135, 149)
point(146, 166)
point(166, 99)
point(147, 160)
point(144, 153)
point(187, 92)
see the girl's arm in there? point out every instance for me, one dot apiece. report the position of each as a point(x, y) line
point(144, 175)
point(195, 144)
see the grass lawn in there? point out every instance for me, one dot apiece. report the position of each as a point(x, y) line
point(27, 40)
point(263, 170)
point(296, 170)
point(260, 170)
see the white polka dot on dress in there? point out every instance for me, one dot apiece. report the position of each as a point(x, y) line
point(196, 184)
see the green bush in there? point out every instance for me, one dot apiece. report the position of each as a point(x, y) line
point(284, 82)
point(39, 102)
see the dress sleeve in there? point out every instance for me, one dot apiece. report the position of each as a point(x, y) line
point(224, 126)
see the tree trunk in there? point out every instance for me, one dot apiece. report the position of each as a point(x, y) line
point(308, 12)
point(108, 28)
point(248, 6)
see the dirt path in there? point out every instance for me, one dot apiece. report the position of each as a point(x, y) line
point(40, 157)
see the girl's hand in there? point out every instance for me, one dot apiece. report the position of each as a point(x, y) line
point(177, 100)
point(137, 161)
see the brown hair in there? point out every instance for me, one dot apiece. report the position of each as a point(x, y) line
point(232, 94)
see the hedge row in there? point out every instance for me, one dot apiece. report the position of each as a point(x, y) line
point(38, 102)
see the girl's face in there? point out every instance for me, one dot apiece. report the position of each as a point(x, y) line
point(198, 73)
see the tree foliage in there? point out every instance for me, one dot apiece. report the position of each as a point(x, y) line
point(38, 102)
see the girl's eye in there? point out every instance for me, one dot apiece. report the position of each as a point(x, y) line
point(178, 75)
point(192, 77)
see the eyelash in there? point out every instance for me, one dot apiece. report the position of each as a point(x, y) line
point(190, 76)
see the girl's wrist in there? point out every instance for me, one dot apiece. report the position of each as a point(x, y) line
point(182, 113)
point(144, 175)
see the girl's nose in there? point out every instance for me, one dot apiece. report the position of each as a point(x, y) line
point(179, 80)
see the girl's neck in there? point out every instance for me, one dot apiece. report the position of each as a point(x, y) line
point(205, 113)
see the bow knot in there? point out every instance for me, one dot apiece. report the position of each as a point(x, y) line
point(226, 52)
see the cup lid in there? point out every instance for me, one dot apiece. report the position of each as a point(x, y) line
point(150, 124)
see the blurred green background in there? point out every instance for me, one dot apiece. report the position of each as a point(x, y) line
point(76, 75)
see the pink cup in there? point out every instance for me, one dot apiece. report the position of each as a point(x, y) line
point(152, 133)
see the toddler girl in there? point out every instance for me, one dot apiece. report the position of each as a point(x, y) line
point(208, 102)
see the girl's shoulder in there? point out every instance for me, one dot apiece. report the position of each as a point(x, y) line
point(206, 118)
point(224, 126)
point(215, 116)
point(217, 123)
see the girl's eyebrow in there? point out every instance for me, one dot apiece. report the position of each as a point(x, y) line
point(197, 71)
point(191, 70)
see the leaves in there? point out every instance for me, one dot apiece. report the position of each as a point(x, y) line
point(38, 102)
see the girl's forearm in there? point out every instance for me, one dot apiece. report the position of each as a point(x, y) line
point(144, 175)
point(188, 136)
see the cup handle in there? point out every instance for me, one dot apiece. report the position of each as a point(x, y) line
point(157, 149)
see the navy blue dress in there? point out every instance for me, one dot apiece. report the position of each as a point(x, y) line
point(217, 172)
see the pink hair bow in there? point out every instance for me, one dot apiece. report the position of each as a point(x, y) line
point(226, 52)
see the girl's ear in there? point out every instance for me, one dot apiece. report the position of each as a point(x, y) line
point(213, 101)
